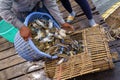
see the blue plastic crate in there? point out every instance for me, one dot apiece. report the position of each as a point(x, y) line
point(27, 49)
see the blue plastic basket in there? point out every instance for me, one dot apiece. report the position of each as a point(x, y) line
point(27, 49)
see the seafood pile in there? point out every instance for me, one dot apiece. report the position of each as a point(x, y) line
point(52, 40)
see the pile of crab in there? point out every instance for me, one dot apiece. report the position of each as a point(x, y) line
point(52, 40)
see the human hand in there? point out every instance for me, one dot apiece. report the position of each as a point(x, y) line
point(68, 27)
point(25, 32)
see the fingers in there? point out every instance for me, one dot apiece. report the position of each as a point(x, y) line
point(27, 36)
point(68, 28)
point(25, 33)
point(72, 28)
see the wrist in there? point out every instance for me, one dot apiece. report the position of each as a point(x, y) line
point(63, 24)
point(21, 26)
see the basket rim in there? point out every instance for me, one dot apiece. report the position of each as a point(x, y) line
point(40, 13)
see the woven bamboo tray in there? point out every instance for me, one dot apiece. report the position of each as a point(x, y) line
point(112, 16)
point(95, 57)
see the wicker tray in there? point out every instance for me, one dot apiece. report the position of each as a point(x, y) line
point(95, 57)
point(113, 15)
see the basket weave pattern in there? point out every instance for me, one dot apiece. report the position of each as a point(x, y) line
point(96, 57)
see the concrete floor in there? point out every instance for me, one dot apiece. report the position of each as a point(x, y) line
point(103, 5)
